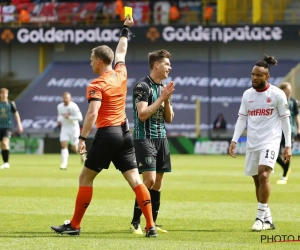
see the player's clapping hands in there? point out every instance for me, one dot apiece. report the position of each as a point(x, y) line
point(167, 91)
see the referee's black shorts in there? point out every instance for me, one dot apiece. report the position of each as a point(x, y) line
point(111, 144)
point(153, 155)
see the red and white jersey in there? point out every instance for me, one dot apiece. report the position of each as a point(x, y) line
point(263, 110)
point(74, 113)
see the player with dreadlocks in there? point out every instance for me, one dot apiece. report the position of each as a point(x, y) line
point(265, 109)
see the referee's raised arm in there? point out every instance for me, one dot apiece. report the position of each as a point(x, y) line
point(121, 49)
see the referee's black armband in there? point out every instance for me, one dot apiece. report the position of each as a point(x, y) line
point(94, 99)
point(126, 32)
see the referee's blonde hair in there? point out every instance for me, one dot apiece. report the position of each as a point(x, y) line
point(104, 53)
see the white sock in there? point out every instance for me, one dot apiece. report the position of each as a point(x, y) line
point(261, 210)
point(283, 178)
point(64, 156)
point(268, 215)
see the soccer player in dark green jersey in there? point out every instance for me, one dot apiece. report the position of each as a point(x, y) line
point(152, 108)
point(7, 109)
point(295, 127)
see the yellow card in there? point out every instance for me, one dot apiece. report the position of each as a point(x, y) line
point(127, 11)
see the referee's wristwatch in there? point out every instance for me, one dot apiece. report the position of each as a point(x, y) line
point(81, 138)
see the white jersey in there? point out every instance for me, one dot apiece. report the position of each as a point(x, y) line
point(263, 110)
point(75, 115)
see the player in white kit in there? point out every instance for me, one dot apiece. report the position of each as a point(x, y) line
point(68, 118)
point(265, 109)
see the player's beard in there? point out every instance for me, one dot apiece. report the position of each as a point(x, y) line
point(261, 85)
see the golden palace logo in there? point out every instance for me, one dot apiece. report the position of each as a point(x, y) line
point(152, 34)
point(7, 35)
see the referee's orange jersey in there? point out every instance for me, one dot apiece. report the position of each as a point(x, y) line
point(111, 89)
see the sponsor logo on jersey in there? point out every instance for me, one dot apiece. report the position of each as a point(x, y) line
point(260, 112)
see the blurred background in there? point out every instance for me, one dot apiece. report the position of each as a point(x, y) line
point(45, 49)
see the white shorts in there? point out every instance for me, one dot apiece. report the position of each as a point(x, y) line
point(70, 135)
point(266, 156)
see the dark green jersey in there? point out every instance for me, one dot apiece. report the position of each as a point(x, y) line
point(7, 109)
point(146, 90)
point(294, 112)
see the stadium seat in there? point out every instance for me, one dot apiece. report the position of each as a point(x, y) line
point(65, 11)
point(87, 12)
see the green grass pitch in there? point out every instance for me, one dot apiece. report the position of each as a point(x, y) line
point(207, 203)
